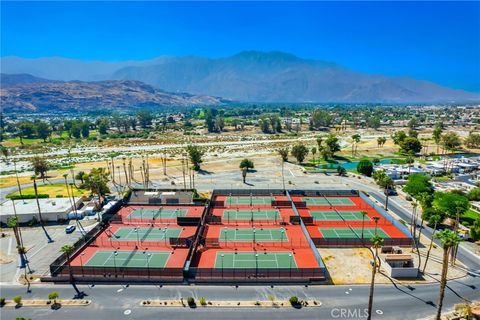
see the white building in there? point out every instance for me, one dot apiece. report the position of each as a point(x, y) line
point(53, 209)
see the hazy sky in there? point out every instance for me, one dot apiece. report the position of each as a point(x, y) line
point(426, 40)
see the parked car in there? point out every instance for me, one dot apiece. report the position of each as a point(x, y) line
point(70, 229)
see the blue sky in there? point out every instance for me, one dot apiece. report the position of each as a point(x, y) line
point(425, 40)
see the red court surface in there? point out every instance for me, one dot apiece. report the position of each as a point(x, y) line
point(395, 235)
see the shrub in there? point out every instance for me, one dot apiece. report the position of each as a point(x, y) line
point(365, 167)
point(2, 302)
point(294, 301)
point(27, 196)
point(203, 302)
point(257, 303)
point(191, 301)
point(53, 296)
point(246, 163)
point(17, 299)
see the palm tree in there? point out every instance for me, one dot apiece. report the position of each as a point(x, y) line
point(435, 220)
point(314, 151)
point(39, 210)
point(449, 240)
point(12, 222)
point(356, 139)
point(375, 219)
point(377, 242)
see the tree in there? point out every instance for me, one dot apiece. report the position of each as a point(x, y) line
point(195, 154)
point(437, 136)
point(53, 296)
point(5, 152)
point(341, 171)
point(320, 118)
point(398, 137)
point(42, 224)
point(244, 174)
point(473, 140)
point(25, 129)
point(76, 130)
point(313, 151)
point(377, 242)
point(68, 249)
point(374, 122)
point(96, 181)
point(474, 194)
point(384, 181)
point(299, 151)
point(451, 141)
point(210, 115)
point(12, 222)
point(144, 118)
point(43, 130)
point(413, 123)
point(103, 126)
point(449, 240)
point(410, 145)
point(355, 140)
point(81, 175)
point(365, 167)
point(434, 218)
point(475, 230)
point(85, 129)
point(418, 184)
point(331, 146)
point(453, 204)
point(219, 123)
point(283, 152)
point(381, 141)
point(40, 166)
point(246, 163)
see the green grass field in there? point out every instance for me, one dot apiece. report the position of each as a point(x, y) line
point(53, 190)
point(253, 260)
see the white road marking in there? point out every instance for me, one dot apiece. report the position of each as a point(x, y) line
point(127, 312)
point(291, 172)
point(378, 311)
point(9, 246)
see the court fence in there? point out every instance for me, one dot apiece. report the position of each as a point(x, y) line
point(257, 274)
point(344, 242)
point(121, 272)
point(324, 193)
point(164, 243)
point(259, 245)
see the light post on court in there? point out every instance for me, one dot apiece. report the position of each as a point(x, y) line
point(225, 230)
point(282, 235)
point(254, 231)
point(222, 255)
point(136, 231)
point(115, 253)
point(290, 268)
point(256, 265)
point(148, 255)
point(165, 235)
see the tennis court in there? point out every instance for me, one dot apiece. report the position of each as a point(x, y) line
point(253, 234)
point(146, 234)
point(328, 201)
point(248, 200)
point(338, 215)
point(148, 213)
point(351, 233)
point(257, 214)
point(128, 259)
point(255, 260)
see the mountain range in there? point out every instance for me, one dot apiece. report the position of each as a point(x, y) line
point(249, 76)
point(26, 93)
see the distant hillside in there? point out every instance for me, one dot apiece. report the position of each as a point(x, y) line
point(7, 80)
point(27, 93)
point(250, 76)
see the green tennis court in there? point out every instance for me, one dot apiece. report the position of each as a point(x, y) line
point(251, 234)
point(253, 260)
point(147, 213)
point(328, 201)
point(128, 259)
point(256, 214)
point(146, 234)
point(338, 215)
point(347, 233)
point(248, 200)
